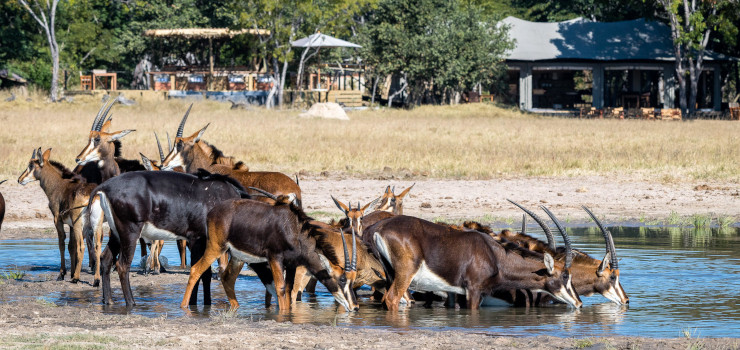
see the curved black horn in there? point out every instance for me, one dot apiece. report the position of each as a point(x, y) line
point(159, 146)
point(524, 224)
point(101, 121)
point(267, 194)
point(347, 263)
point(353, 266)
point(608, 239)
point(181, 128)
point(566, 239)
point(100, 113)
point(1, 182)
point(548, 232)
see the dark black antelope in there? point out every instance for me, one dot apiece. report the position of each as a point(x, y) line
point(279, 235)
point(152, 262)
point(192, 153)
point(590, 276)
point(101, 158)
point(2, 207)
point(425, 256)
point(68, 195)
point(392, 203)
point(155, 205)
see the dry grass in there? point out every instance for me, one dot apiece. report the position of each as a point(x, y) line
point(468, 141)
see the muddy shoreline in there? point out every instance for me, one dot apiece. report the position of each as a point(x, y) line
point(27, 319)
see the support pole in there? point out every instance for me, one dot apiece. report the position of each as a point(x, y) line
point(717, 89)
point(210, 61)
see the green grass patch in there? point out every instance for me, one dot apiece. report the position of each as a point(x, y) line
point(701, 221)
point(583, 343)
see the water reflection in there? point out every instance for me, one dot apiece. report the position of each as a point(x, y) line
point(676, 278)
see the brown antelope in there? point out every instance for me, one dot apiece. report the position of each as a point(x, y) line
point(424, 256)
point(589, 275)
point(68, 196)
point(280, 235)
point(370, 270)
point(2, 207)
point(102, 147)
point(392, 203)
point(192, 154)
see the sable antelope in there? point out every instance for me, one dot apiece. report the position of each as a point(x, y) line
point(153, 263)
point(392, 203)
point(589, 275)
point(155, 205)
point(370, 270)
point(68, 195)
point(103, 152)
point(102, 146)
point(429, 257)
point(192, 153)
point(2, 207)
point(280, 235)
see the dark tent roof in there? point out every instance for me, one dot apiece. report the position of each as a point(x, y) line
point(580, 39)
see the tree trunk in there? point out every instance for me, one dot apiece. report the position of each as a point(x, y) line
point(375, 88)
point(48, 25)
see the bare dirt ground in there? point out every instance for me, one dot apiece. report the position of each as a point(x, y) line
point(26, 321)
point(615, 198)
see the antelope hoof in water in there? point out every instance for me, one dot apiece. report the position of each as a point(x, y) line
point(75, 280)
point(96, 284)
point(61, 277)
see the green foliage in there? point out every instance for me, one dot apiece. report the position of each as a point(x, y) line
point(441, 47)
point(36, 70)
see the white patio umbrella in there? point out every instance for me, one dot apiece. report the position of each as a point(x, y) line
point(318, 41)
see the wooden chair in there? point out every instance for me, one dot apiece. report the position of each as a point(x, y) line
point(86, 82)
point(734, 113)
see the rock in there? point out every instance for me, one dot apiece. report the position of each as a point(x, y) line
point(426, 205)
point(326, 110)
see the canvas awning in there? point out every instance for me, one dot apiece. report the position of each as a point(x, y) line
point(203, 33)
point(322, 40)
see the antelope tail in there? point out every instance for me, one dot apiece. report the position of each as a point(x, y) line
point(105, 205)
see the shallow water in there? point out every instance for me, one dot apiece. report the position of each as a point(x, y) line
point(676, 279)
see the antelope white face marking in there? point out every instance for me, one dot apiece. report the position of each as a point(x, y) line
point(175, 162)
point(616, 295)
point(426, 280)
point(244, 256)
point(27, 179)
point(565, 297)
point(89, 154)
point(152, 233)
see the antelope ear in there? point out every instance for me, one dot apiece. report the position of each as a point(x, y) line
point(47, 154)
point(406, 191)
point(371, 204)
point(340, 205)
point(604, 263)
point(147, 163)
point(549, 263)
point(121, 134)
point(200, 133)
point(106, 125)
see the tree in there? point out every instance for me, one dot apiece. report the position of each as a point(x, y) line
point(46, 19)
point(692, 25)
point(288, 20)
point(441, 48)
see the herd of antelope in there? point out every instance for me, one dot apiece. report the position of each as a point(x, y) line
point(221, 211)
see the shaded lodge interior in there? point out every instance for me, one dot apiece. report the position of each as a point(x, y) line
point(581, 64)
